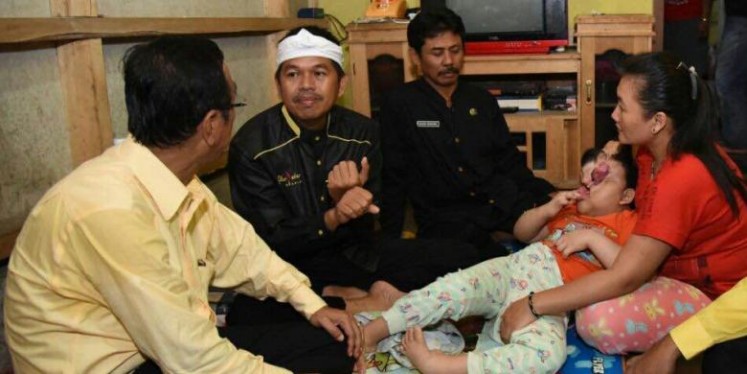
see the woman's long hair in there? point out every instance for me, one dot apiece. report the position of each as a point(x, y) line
point(670, 86)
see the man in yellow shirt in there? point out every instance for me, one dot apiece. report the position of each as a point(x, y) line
point(113, 265)
point(720, 329)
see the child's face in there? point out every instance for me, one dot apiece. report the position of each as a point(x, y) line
point(586, 170)
point(610, 149)
point(609, 195)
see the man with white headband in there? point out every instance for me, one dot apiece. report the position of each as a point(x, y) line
point(306, 174)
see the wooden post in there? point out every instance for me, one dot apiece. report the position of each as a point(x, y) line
point(83, 80)
point(658, 12)
point(274, 8)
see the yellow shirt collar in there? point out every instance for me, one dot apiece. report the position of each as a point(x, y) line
point(164, 187)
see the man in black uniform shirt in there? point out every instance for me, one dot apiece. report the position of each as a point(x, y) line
point(447, 148)
point(306, 173)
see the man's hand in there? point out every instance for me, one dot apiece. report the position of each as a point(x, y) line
point(344, 176)
point(340, 324)
point(356, 202)
point(516, 316)
point(659, 359)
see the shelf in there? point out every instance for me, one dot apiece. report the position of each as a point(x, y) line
point(544, 113)
point(553, 63)
point(605, 105)
point(27, 30)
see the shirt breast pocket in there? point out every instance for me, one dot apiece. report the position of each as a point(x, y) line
point(206, 272)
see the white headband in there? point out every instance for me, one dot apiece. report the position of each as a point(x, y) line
point(305, 44)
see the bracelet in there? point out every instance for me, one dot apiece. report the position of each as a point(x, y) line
point(531, 305)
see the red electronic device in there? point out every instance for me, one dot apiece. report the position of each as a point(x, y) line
point(512, 46)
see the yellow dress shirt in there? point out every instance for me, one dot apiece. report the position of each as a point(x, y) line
point(114, 263)
point(723, 319)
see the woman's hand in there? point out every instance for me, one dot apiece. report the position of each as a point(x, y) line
point(516, 316)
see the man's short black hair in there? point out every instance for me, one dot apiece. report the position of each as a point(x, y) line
point(431, 22)
point(318, 31)
point(171, 83)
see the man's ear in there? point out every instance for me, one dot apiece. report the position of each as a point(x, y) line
point(208, 128)
point(343, 84)
point(414, 57)
point(277, 87)
point(627, 196)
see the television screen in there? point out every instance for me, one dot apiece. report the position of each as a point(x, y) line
point(505, 16)
point(509, 26)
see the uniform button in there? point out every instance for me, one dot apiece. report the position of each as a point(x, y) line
point(460, 169)
point(320, 232)
point(472, 193)
point(456, 140)
point(321, 198)
point(491, 201)
point(319, 162)
point(317, 138)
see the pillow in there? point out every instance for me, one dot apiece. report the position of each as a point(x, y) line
point(634, 322)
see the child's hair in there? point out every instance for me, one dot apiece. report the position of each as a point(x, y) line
point(590, 155)
point(624, 156)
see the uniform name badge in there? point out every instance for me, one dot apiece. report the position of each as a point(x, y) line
point(428, 124)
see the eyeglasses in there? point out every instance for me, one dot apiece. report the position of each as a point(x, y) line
point(236, 105)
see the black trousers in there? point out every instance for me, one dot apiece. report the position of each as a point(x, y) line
point(467, 232)
point(407, 264)
point(726, 357)
point(296, 346)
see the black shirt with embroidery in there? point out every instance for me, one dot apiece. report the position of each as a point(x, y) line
point(452, 163)
point(278, 172)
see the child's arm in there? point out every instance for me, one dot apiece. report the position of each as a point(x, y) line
point(530, 227)
point(603, 248)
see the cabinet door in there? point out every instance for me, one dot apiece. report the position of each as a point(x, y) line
point(601, 39)
point(550, 144)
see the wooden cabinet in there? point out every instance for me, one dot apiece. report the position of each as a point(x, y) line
point(564, 134)
point(597, 34)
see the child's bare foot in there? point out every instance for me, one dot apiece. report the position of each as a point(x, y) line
point(344, 292)
point(413, 346)
point(427, 361)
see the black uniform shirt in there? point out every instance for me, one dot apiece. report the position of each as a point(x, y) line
point(452, 163)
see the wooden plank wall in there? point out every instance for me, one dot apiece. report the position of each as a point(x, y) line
point(83, 81)
point(78, 29)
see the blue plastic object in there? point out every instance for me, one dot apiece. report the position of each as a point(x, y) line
point(583, 358)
